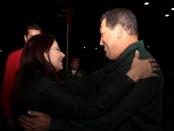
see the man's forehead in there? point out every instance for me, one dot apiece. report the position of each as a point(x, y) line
point(103, 22)
point(33, 32)
point(102, 25)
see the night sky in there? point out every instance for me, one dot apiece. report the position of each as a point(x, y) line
point(155, 29)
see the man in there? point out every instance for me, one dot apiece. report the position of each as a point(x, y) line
point(75, 72)
point(12, 66)
point(140, 110)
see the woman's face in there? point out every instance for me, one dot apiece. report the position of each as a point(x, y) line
point(56, 56)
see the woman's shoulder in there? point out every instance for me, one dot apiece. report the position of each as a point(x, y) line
point(45, 83)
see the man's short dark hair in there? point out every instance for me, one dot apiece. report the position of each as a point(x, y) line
point(33, 26)
point(122, 16)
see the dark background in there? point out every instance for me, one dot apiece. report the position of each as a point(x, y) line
point(155, 29)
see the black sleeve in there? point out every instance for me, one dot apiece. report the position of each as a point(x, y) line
point(60, 124)
point(146, 92)
point(114, 88)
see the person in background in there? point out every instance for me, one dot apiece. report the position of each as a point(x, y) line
point(11, 67)
point(75, 72)
point(138, 110)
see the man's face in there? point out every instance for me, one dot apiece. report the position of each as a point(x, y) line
point(110, 40)
point(31, 32)
point(75, 65)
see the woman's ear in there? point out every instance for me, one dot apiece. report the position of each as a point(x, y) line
point(46, 56)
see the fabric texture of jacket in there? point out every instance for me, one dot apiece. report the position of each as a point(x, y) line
point(72, 99)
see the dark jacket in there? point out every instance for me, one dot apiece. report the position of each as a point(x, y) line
point(140, 110)
point(84, 99)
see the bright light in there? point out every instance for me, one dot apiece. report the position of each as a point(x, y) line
point(146, 3)
point(172, 9)
point(84, 47)
point(167, 15)
point(95, 48)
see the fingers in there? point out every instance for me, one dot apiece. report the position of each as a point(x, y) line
point(150, 64)
point(34, 113)
point(155, 75)
point(151, 60)
point(26, 123)
point(29, 123)
point(36, 121)
point(26, 119)
point(37, 114)
point(155, 69)
point(137, 54)
point(154, 64)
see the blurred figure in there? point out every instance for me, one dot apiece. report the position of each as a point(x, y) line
point(75, 72)
point(11, 67)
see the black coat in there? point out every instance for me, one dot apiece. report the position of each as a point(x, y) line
point(85, 99)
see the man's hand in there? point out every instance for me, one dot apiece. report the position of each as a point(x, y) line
point(36, 121)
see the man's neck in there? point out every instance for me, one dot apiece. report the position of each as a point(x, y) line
point(129, 40)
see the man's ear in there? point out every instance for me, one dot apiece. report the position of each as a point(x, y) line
point(119, 31)
point(25, 38)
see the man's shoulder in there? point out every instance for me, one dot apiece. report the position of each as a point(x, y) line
point(15, 53)
point(14, 57)
point(152, 83)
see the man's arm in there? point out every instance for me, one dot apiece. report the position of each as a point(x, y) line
point(8, 83)
point(144, 92)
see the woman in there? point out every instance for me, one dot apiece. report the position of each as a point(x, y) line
point(38, 87)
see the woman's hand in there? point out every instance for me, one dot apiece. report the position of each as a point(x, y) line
point(141, 69)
